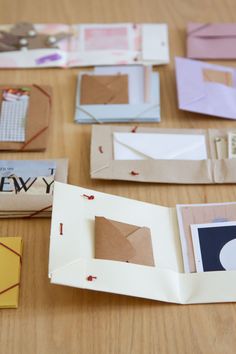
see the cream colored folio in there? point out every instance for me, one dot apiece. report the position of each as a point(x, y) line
point(72, 259)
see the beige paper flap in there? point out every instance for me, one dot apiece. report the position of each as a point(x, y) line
point(220, 77)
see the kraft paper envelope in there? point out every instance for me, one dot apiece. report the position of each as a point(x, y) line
point(104, 89)
point(161, 155)
point(72, 251)
point(118, 94)
point(211, 40)
point(31, 204)
point(122, 242)
point(84, 45)
point(10, 268)
point(37, 120)
point(201, 92)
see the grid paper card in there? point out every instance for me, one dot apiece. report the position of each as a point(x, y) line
point(13, 114)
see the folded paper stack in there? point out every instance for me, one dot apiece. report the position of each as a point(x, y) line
point(183, 255)
point(194, 156)
point(118, 94)
point(25, 45)
point(10, 269)
point(24, 117)
point(206, 88)
point(26, 186)
point(211, 40)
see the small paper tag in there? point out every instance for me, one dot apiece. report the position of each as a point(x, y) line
point(232, 145)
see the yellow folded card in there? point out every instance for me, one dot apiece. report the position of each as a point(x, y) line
point(10, 267)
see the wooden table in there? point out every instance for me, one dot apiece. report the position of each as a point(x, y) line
point(62, 320)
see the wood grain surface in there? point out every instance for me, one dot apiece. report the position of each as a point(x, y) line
point(62, 320)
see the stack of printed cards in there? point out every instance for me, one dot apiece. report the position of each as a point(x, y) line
point(26, 186)
point(25, 45)
point(118, 94)
point(24, 117)
point(125, 246)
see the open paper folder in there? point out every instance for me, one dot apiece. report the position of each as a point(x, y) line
point(25, 45)
point(118, 94)
point(198, 156)
point(26, 186)
point(206, 88)
point(86, 253)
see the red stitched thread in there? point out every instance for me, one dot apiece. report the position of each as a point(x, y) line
point(89, 197)
point(134, 129)
point(37, 212)
point(133, 173)
point(10, 287)
point(91, 278)
point(43, 91)
point(100, 149)
point(61, 228)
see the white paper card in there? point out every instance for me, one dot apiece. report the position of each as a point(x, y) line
point(155, 42)
point(141, 146)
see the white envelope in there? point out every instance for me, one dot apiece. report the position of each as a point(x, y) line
point(141, 146)
point(72, 262)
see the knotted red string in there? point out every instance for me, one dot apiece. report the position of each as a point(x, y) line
point(100, 149)
point(133, 173)
point(89, 197)
point(91, 278)
point(134, 129)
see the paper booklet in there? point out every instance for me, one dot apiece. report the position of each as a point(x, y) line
point(108, 243)
point(206, 88)
point(194, 156)
point(211, 40)
point(26, 186)
point(118, 94)
point(25, 112)
point(25, 45)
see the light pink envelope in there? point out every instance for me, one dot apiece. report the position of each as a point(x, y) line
point(207, 97)
point(211, 41)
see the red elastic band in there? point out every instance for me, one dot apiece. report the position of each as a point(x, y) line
point(43, 91)
point(100, 149)
point(10, 287)
point(61, 228)
point(11, 250)
point(91, 278)
point(89, 197)
point(34, 137)
point(134, 129)
point(133, 173)
point(37, 212)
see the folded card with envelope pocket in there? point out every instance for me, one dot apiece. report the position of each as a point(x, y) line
point(125, 246)
point(10, 269)
point(206, 88)
point(194, 156)
point(27, 45)
point(26, 186)
point(211, 40)
point(118, 94)
point(24, 117)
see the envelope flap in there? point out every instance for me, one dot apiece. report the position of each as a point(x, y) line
point(212, 30)
point(104, 89)
point(142, 243)
point(111, 242)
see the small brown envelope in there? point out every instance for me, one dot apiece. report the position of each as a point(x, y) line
point(104, 89)
point(118, 241)
point(37, 120)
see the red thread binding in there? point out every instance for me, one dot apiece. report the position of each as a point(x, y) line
point(37, 212)
point(43, 91)
point(61, 228)
point(91, 278)
point(134, 129)
point(11, 250)
point(133, 173)
point(89, 197)
point(100, 149)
